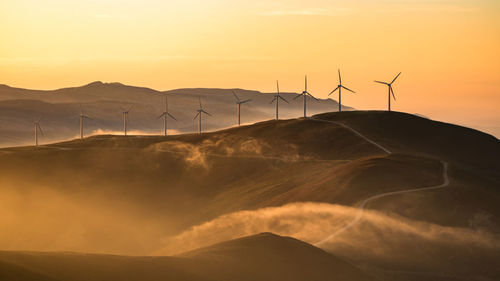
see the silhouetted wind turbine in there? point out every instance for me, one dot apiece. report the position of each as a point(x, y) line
point(339, 87)
point(165, 116)
point(304, 95)
point(238, 106)
point(37, 127)
point(391, 91)
point(200, 112)
point(277, 98)
point(125, 120)
point(82, 119)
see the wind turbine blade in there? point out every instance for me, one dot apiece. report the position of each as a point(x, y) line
point(206, 112)
point(392, 92)
point(234, 94)
point(85, 116)
point(196, 115)
point(312, 96)
point(171, 116)
point(163, 114)
point(395, 78)
point(340, 78)
point(278, 86)
point(296, 97)
point(348, 89)
point(306, 84)
point(130, 108)
point(283, 99)
point(381, 82)
point(40, 128)
point(334, 90)
point(245, 101)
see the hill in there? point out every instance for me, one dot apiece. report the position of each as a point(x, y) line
point(260, 257)
point(105, 102)
point(143, 194)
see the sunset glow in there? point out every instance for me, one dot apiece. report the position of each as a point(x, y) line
point(447, 50)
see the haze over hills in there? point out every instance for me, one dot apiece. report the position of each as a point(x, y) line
point(105, 102)
point(305, 178)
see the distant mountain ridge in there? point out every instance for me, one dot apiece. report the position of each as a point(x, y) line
point(104, 103)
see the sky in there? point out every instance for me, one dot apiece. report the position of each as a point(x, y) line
point(447, 50)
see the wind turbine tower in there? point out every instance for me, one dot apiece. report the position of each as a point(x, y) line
point(277, 98)
point(125, 120)
point(200, 111)
point(304, 95)
point(339, 87)
point(165, 116)
point(391, 91)
point(37, 128)
point(82, 119)
point(238, 106)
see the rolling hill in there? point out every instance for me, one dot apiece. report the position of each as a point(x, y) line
point(143, 195)
point(260, 257)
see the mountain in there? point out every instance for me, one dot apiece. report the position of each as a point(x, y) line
point(260, 257)
point(105, 102)
point(429, 192)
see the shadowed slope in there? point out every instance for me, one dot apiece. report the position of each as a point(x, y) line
point(261, 257)
point(11, 272)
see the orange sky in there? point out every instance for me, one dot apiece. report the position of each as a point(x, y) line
point(448, 50)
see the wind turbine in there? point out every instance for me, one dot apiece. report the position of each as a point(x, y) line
point(82, 119)
point(125, 119)
point(200, 112)
point(238, 106)
point(37, 127)
point(339, 87)
point(277, 98)
point(304, 95)
point(391, 91)
point(165, 116)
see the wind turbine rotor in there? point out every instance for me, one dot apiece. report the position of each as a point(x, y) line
point(392, 92)
point(395, 78)
point(237, 98)
point(311, 96)
point(206, 112)
point(348, 89)
point(334, 90)
point(171, 116)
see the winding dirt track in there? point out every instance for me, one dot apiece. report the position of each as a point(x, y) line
point(362, 205)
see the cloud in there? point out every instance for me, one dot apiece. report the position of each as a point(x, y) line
point(439, 8)
point(307, 12)
point(110, 16)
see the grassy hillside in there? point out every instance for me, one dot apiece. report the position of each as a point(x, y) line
point(136, 194)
